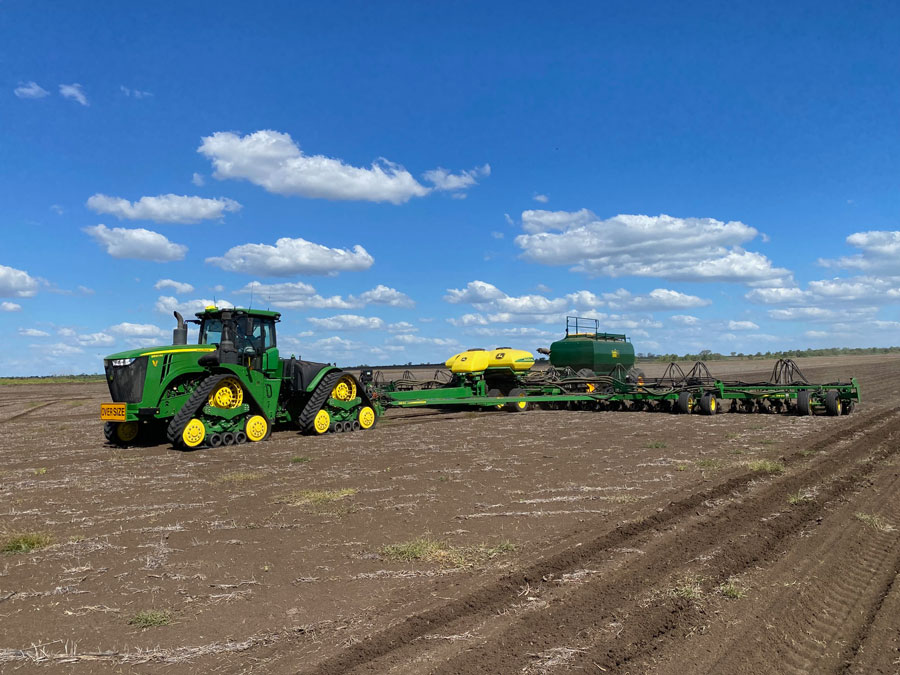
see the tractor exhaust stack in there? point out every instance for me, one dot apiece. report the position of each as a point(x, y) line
point(179, 333)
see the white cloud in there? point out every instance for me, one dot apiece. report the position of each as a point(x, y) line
point(658, 298)
point(475, 292)
point(296, 295)
point(292, 256)
point(134, 93)
point(57, 209)
point(402, 327)
point(821, 313)
point(66, 332)
point(688, 249)
point(273, 161)
point(166, 304)
point(684, 319)
point(33, 332)
point(880, 251)
point(30, 90)
point(385, 295)
point(168, 208)
point(348, 322)
point(16, 283)
point(6, 306)
point(138, 244)
point(543, 199)
point(407, 339)
point(74, 92)
point(442, 179)
point(742, 325)
point(497, 235)
point(198, 179)
point(337, 345)
point(96, 340)
point(142, 330)
point(59, 349)
point(176, 286)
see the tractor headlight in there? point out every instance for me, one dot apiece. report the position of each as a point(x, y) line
point(118, 363)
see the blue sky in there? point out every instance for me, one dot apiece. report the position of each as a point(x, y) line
point(402, 180)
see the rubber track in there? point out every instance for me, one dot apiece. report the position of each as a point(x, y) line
point(193, 404)
point(319, 395)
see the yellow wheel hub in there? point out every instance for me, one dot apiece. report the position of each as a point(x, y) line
point(321, 422)
point(712, 405)
point(127, 431)
point(227, 394)
point(256, 428)
point(193, 434)
point(345, 389)
point(366, 417)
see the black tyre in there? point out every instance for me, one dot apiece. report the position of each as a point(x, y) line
point(833, 403)
point(316, 401)
point(354, 425)
point(521, 406)
point(228, 438)
point(215, 440)
point(708, 404)
point(685, 402)
point(494, 393)
point(804, 406)
point(240, 437)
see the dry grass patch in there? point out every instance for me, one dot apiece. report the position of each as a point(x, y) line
point(240, 476)
point(425, 549)
point(731, 590)
point(150, 618)
point(766, 466)
point(800, 497)
point(315, 497)
point(875, 522)
point(689, 588)
point(300, 460)
point(26, 542)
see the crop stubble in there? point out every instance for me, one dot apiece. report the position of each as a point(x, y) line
point(618, 529)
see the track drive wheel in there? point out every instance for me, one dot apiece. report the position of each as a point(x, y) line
point(708, 404)
point(257, 428)
point(520, 406)
point(227, 394)
point(804, 407)
point(345, 389)
point(833, 403)
point(685, 402)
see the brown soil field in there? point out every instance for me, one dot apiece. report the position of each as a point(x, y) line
point(465, 542)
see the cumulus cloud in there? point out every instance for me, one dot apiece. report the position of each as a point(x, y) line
point(168, 208)
point(385, 295)
point(407, 339)
point(176, 286)
point(880, 252)
point(442, 179)
point(684, 319)
point(30, 90)
point(17, 283)
point(143, 330)
point(822, 313)
point(402, 327)
point(7, 306)
point(543, 199)
point(59, 349)
point(657, 299)
point(742, 325)
point(275, 162)
point(74, 92)
point(687, 249)
point(138, 244)
point(292, 256)
point(198, 179)
point(96, 340)
point(33, 332)
point(351, 322)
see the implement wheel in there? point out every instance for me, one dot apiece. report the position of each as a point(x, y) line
point(804, 407)
point(685, 402)
point(833, 403)
point(495, 393)
point(520, 406)
point(709, 405)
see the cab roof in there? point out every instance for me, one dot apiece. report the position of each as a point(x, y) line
point(215, 312)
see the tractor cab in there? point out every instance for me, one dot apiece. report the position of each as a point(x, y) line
point(243, 336)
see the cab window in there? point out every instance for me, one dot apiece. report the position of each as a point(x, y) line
point(210, 332)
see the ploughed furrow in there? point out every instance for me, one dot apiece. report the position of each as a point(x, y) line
point(623, 615)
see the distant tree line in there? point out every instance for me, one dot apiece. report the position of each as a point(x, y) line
point(709, 355)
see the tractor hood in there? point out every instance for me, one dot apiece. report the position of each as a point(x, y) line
point(156, 351)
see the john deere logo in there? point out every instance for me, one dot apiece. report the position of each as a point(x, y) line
point(154, 361)
point(501, 355)
point(615, 353)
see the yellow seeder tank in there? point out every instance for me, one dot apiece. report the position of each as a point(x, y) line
point(477, 360)
point(504, 357)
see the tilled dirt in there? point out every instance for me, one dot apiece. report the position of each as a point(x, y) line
point(624, 542)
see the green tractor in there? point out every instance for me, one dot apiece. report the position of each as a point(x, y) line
point(231, 387)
